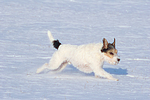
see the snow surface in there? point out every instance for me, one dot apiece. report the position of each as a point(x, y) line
point(24, 47)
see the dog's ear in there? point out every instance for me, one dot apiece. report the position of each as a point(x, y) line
point(114, 43)
point(105, 44)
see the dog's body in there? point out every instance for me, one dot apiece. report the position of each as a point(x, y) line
point(87, 58)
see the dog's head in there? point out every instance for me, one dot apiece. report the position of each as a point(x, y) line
point(110, 52)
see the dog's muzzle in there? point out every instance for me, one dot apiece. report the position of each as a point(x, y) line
point(117, 61)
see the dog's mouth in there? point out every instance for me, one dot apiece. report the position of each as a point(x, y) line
point(115, 62)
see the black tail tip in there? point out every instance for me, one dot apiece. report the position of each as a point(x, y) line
point(56, 44)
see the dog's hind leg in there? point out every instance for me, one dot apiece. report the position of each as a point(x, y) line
point(54, 67)
point(63, 65)
point(57, 62)
point(39, 70)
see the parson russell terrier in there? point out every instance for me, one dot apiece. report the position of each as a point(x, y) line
point(87, 58)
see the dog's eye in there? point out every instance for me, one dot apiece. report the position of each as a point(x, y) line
point(111, 53)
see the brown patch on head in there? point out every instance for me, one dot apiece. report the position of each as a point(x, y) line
point(108, 48)
point(111, 53)
point(116, 51)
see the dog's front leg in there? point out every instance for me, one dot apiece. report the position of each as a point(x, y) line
point(101, 72)
point(107, 75)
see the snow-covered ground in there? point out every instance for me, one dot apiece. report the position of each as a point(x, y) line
point(24, 47)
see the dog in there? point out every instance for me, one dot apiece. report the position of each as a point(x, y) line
point(87, 58)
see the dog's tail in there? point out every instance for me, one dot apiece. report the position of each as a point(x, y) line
point(56, 43)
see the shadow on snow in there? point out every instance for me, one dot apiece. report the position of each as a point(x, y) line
point(74, 71)
point(118, 71)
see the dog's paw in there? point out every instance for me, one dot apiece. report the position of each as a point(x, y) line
point(114, 79)
point(39, 70)
point(96, 76)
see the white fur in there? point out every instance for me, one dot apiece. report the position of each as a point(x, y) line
point(50, 36)
point(86, 58)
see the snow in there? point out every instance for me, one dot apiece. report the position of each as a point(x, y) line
point(24, 47)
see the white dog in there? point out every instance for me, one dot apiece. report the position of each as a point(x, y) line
point(87, 58)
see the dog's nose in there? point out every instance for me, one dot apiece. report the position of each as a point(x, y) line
point(118, 59)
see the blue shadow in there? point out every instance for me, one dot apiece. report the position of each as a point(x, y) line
point(73, 70)
point(118, 71)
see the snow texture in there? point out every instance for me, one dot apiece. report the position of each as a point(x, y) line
point(24, 47)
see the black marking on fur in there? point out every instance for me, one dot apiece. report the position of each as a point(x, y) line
point(56, 44)
point(110, 46)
